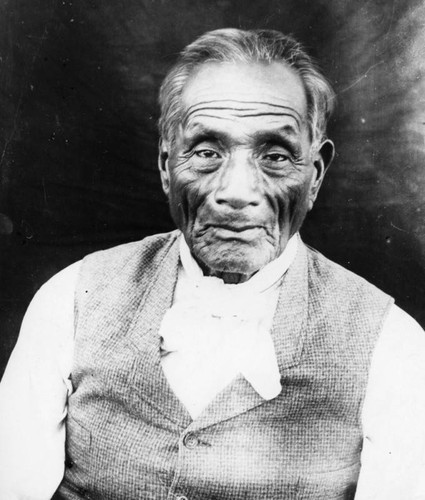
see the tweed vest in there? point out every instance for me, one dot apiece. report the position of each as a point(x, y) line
point(129, 437)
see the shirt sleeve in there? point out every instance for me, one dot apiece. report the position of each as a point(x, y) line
point(34, 391)
point(393, 456)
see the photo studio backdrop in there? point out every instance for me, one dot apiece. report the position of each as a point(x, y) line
point(78, 138)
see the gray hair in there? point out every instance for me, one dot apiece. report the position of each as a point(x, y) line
point(234, 45)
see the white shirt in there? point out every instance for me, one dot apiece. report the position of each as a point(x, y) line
point(35, 387)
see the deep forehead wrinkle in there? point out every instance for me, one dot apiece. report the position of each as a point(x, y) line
point(211, 112)
point(288, 128)
point(205, 105)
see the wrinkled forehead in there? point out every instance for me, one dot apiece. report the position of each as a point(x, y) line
point(251, 93)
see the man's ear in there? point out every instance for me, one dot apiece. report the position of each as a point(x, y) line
point(163, 165)
point(321, 160)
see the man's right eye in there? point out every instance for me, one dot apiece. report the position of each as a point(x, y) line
point(207, 154)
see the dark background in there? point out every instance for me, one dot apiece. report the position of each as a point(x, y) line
point(78, 86)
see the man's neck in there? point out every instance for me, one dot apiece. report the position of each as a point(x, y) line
point(228, 278)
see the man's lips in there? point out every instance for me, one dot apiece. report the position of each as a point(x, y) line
point(242, 232)
point(237, 228)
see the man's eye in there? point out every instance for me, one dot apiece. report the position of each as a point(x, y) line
point(207, 153)
point(276, 157)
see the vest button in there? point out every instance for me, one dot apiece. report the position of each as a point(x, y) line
point(181, 497)
point(190, 441)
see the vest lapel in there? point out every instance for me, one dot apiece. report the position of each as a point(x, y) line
point(290, 320)
point(145, 339)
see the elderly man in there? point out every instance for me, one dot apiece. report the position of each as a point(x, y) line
point(224, 360)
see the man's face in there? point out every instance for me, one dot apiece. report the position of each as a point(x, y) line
point(241, 174)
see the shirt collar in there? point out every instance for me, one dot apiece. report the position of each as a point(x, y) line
point(268, 276)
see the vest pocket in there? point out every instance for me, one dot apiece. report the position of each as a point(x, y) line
point(338, 484)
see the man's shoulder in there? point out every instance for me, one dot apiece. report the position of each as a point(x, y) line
point(337, 294)
point(143, 250)
point(117, 271)
point(127, 262)
point(333, 276)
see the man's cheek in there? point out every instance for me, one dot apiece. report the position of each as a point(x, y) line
point(297, 206)
point(178, 201)
point(281, 197)
point(287, 204)
point(188, 193)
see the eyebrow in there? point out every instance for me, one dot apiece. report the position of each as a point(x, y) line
point(278, 132)
point(285, 136)
point(200, 132)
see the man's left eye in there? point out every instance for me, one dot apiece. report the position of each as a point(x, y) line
point(207, 153)
point(277, 157)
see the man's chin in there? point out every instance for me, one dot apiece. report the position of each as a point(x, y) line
point(235, 258)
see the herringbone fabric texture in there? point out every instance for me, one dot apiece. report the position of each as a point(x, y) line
point(128, 437)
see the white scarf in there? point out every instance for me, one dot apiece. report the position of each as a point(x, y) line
point(215, 331)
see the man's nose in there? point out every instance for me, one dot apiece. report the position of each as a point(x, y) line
point(239, 184)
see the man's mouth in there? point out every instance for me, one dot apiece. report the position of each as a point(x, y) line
point(245, 232)
point(237, 228)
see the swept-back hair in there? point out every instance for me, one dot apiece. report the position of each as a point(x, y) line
point(234, 45)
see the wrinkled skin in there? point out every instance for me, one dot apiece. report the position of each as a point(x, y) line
point(242, 172)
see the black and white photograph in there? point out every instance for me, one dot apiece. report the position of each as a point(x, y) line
point(212, 250)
